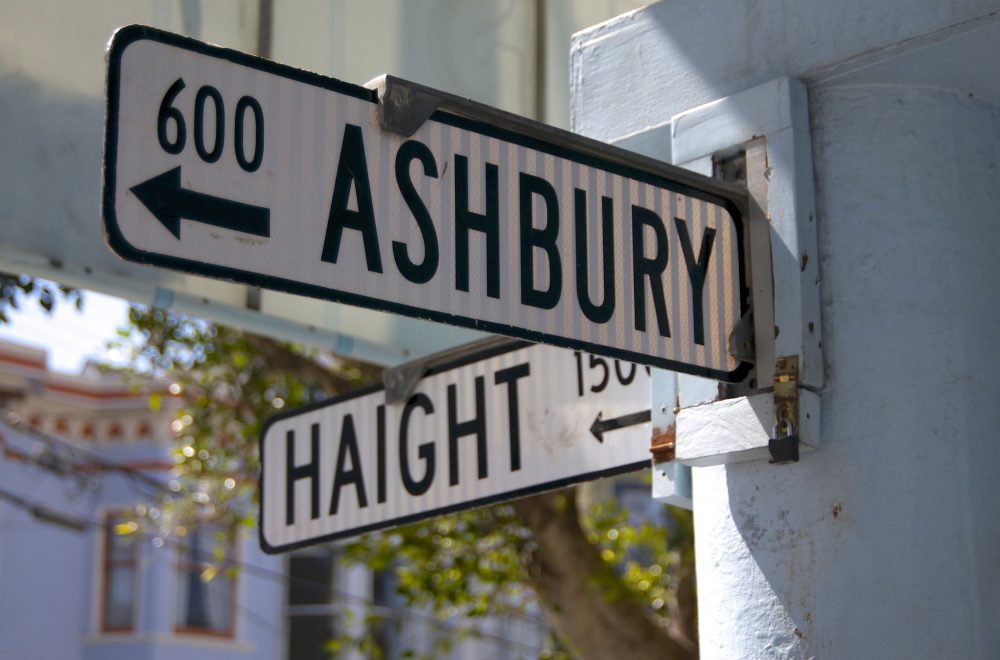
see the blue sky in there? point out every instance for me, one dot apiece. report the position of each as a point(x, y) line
point(69, 336)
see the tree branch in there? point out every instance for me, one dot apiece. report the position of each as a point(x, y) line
point(566, 570)
point(280, 359)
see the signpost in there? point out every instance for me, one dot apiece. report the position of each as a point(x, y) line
point(504, 423)
point(225, 165)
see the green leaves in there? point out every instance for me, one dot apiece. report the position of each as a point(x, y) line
point(16, 289)
point(465, 564)
point(646, 560)
point(222, 390)
point(456, 570)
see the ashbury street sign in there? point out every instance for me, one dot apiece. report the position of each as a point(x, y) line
point(497, 425)
point(225, 165)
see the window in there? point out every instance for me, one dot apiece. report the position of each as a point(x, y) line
point(312, 611)
point(119, 575)
point(206, 587)
point(386, 624)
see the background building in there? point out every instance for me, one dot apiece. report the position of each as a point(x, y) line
point(81, 455)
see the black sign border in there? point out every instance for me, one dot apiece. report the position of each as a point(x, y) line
point(128, 35)
point(485, 354)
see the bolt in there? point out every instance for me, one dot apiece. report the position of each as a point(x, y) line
point(769, 173)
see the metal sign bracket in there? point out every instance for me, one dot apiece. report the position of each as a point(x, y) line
point(786, 393)
point(401, 380)
point(404, 106)
point(741, 340)
point(782, 401)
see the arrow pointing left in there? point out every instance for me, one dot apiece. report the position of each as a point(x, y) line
point(601, 426)
point(168, 202)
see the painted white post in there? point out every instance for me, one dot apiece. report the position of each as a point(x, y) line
point(885, 541)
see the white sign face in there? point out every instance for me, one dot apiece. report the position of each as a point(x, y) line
point(225, 165)
point(493, 427)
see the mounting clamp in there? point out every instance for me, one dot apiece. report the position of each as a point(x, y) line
point(404, 106)
point(401, 380)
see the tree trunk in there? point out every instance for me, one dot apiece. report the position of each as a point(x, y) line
point(565, 570)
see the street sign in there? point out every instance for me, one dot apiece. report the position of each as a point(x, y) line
point(494, 426)
point(222, 164)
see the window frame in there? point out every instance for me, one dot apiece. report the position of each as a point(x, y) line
point(185, 566)
point(324, 612)
point(109, 562)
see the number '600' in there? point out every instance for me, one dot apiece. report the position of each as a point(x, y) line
point(170, 115)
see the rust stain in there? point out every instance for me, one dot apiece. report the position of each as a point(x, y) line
point(836, 510)
point(663, 445)
point(798, 633)
point(805, 262)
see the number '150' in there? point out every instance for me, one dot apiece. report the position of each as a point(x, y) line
point(624, 371)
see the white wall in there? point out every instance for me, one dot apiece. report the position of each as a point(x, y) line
point(883, 543)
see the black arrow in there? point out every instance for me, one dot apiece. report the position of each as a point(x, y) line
point(166, 200)
point(601, 426)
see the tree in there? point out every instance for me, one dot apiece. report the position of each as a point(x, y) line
point(606, 587)
point(15, 290)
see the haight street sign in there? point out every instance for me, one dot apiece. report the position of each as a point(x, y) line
point(501, 424)
point(221, 164)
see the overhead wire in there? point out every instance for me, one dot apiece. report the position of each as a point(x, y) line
point(47, 514)
point(156, 488)
point(164, 489)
